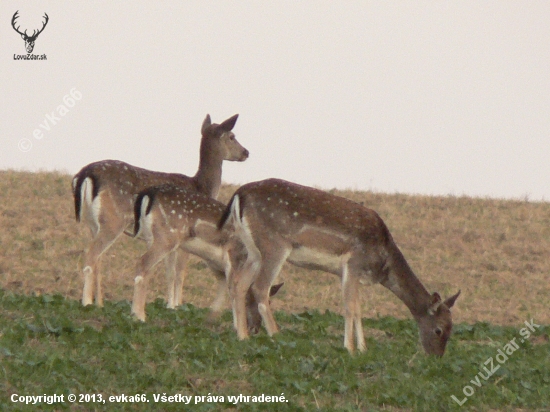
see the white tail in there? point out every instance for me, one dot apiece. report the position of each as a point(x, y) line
point(104, 194)
point(280, 221)
point(90, 206)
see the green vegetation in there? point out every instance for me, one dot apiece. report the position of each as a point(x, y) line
point(495, 251)
point(52, 345)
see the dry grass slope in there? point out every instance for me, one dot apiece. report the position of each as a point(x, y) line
point(496, 251)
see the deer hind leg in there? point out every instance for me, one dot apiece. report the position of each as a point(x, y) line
point(98, 284)
point(352, 311)
point(106, 224)
point(102, 241)
point(148, 261)
point(239, 281)
point(221, 295)
point(176, 265)
point(89, 280)
point(272, 262)
point(170, 262)
point(181, 272)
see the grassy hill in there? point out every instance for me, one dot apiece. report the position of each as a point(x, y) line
point(495, 251)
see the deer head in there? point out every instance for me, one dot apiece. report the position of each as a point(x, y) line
point(228, 146)
point(436, 324)
point(29, 40)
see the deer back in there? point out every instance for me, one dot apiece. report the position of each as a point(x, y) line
point(122, 180)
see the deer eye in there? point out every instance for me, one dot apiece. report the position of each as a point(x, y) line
point(438, 331)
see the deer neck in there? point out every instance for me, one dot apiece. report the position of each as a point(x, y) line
point(402, 281)
point(208, 178)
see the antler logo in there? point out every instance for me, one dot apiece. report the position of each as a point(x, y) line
point(29, 40)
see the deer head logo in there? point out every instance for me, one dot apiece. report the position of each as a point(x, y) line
point(29, 40)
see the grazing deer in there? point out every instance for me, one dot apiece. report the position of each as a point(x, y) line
point(104, 194)
point(280, 221)
point(169, 217)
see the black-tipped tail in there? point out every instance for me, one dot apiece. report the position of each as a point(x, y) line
point(78, 180)
point(148, 194)
point(227, 212)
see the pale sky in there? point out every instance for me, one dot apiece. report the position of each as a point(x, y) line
point(430, 97)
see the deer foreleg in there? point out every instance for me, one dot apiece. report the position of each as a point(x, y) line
point(352, 312)
point(240, 280)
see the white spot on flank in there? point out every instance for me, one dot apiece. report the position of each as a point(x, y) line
point(173, 212)
point(295, 214)
point(180, 216)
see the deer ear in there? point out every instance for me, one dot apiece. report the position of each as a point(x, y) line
point(207, 122)
point(435, 301)
point(274, 289)
point(229, 124)
point(451, 300)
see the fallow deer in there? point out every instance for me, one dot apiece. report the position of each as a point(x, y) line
point(280, 221)
point(104, 194)
point(170, 217)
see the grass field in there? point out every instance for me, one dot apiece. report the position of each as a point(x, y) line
point(495, 251)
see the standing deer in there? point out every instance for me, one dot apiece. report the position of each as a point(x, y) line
point(169, 218)
point(29, 40)
point(279, 221)
point(104, 194)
